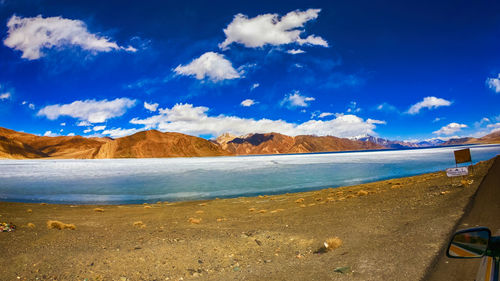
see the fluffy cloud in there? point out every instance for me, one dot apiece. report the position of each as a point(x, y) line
point(50, 134)
point(428, 102)
point(247, 102)
point(494, 127)
point(119, 132)
point(5, 96)
point(270, 29)
point(210, 65)
point(325, 114)
point(32, 35)
point(450, 129)
point(254, 86)
point(494, 83)
point(374, 121)
point(187, 119)
point(296, 100)
point(99, 128)
point(295, 52)
point(150, 106)
point(91, 111)
point(83, 124)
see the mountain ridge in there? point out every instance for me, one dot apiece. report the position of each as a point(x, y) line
point(156, 144)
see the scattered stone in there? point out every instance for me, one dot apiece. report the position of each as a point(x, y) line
point(343, 269)
point(194, 220)
point(300, 200)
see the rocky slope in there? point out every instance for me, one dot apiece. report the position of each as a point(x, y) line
point(274, 143)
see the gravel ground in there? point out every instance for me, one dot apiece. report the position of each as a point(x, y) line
point(391, 230)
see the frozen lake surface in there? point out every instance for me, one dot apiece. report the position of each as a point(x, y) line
point(121, 181)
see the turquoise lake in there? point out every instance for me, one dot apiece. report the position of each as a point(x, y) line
point(124, 181)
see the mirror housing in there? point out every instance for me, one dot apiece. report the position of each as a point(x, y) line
point(469, 243)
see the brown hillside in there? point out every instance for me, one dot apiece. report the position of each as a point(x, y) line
point(274, 143)
point(59, 147)
point(152, 144)
point(491, 138)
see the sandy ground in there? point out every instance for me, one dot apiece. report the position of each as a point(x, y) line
point(391, 230)
point(484, 210)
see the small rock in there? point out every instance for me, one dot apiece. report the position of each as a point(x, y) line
point(343, 269)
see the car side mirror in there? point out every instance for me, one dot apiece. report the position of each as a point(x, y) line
point(469, 243)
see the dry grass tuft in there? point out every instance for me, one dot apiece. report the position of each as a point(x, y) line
point(262, 211)
point(330, 199)
point(199, 212)
point(60, 225)
point(300, 200)
point(396, 186)
point(194, 220)
point(202, 204)
point(252, 210)
point(139, 224)
point(221, 219)
point(332, 243)
point(99, 210)
point(147, 207)
point(350, 196)
point(318, 199)
point(277, 211)
point(43, 204)
point(362, 193)
point(29, 211)
point(312, 204)
point(445, 192)
point(303, 205)
point(30, 225)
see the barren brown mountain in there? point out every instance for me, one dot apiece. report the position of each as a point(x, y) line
point(274, 143)
point(490, 138)
point(149, 144)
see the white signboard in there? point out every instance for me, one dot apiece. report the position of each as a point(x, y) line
point(456, 172)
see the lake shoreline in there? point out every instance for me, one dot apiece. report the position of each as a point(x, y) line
point(278, 237)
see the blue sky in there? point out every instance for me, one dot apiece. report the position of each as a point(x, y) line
point(409, 71)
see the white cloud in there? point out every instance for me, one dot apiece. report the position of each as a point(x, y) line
point(210, 65)
point(296, 100)
point(437, 119)
point(481, 122)
point(187, 119)
point(71, 134)
point(31, 106)
point(295, 51)
point(374, 121)
point(254, 86)
point(87, 131)
point(63, 124)
point(5, 96)
point(83, 124)
point(494, 83)
point(119, 132)
point(450, 129)
point(150, 106)
point(387, 107)
point(99, 128)
point(89, 110)
point(494, 127)
point(270, 29)
point(50, 134)
point(32, 35)
point(428, 102)
point(325, 114)
point(353, 107)
point(247, 102)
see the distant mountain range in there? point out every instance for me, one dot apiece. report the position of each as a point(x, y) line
point(153, 144)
